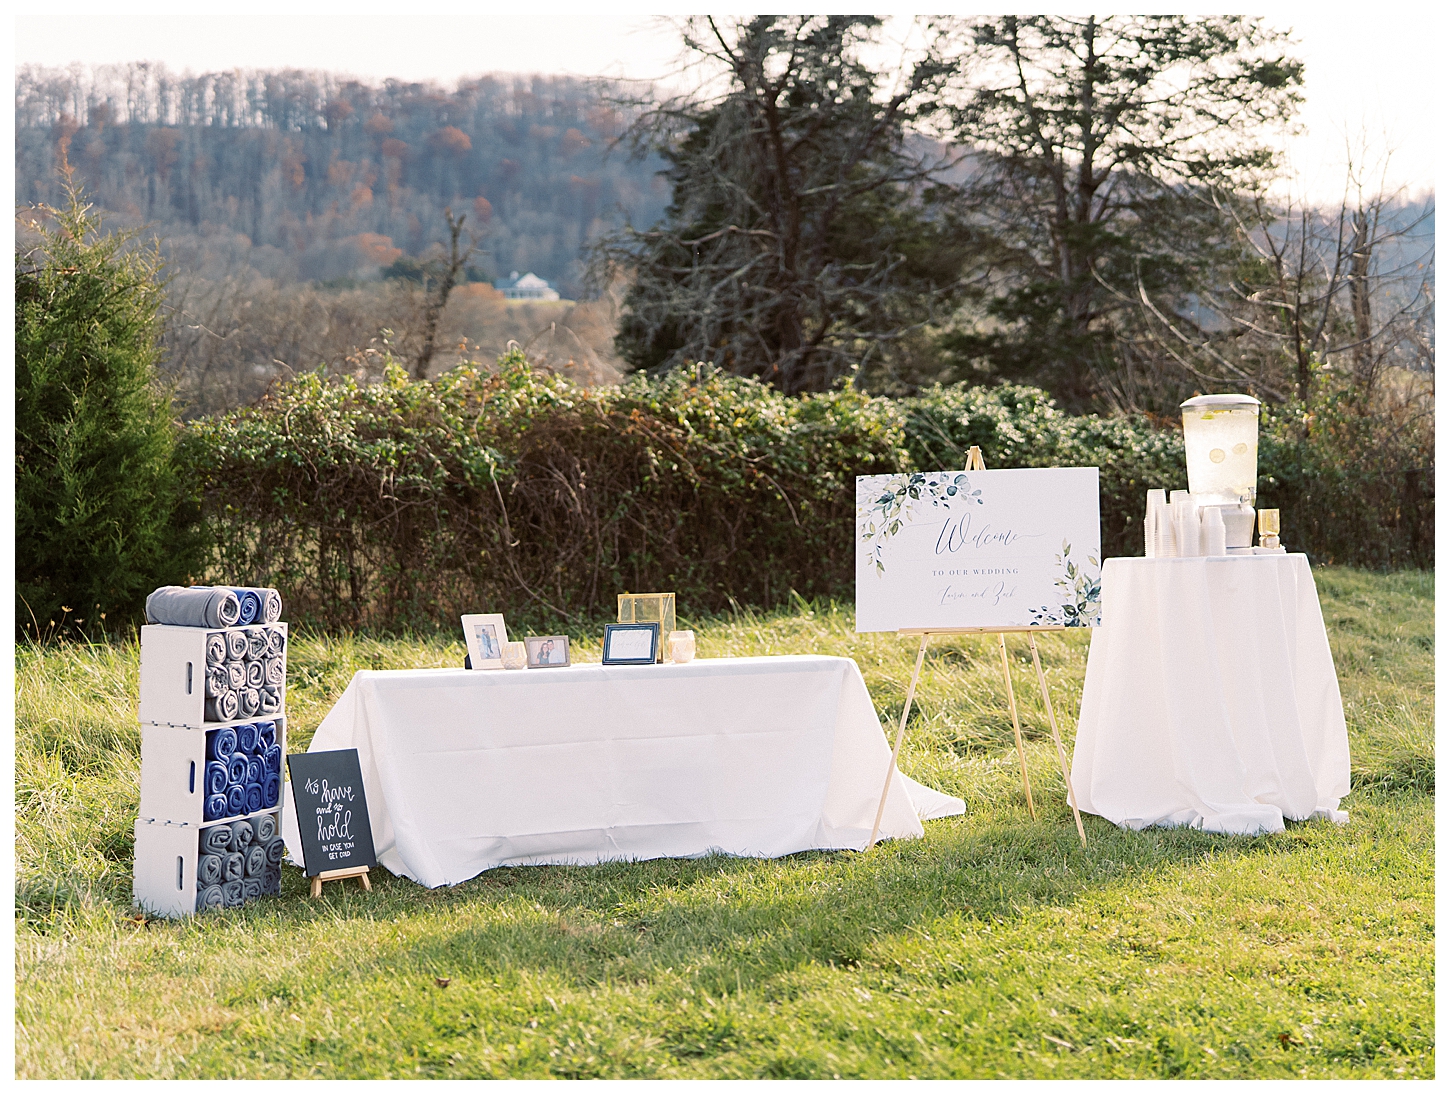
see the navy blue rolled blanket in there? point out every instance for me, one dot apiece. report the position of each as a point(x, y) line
point(246, 737)
point(222, 708)
point(233, 894)
point(217, 840)
point(266, 736)
point(221, 744)
point(236, 799)
point(233, 866)
point(249, 605)
point(209, 897)
point(254, 797)
point(237, 767)
point(256, 860)
point(216, 778)
point(272, 761)
point(216, 807)
point(209, 869)
point(216, 648)
point(193, 606)
point(242, 834)
point(266, 828)
point(271, 790)
point(276, 847)
point(254, 770)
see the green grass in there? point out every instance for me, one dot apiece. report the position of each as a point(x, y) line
point(992, 948)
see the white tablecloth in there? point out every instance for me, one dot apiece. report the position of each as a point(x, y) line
point(1210, 697)
point(467, 770)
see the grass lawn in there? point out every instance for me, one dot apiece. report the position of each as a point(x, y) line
point(992, 948)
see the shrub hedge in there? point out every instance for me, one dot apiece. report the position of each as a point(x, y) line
point(405, 504)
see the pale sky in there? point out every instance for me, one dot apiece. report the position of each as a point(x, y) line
point(1368, 72)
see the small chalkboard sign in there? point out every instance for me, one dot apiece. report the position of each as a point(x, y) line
point(332, 812)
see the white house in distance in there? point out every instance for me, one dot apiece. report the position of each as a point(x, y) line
point(528, 287)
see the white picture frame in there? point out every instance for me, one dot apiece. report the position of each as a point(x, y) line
point(547, 651)
point(485, 635)
point(1015, 548)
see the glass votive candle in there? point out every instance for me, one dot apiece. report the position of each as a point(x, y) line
point(682, 646)
point(1268, 528)
point(515, 656)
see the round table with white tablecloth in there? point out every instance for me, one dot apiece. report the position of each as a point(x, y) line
point(1210, 698)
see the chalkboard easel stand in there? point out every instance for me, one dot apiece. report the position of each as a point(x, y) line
point(976, 463)
point(360, 873)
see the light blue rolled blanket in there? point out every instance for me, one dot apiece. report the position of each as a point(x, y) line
point(233, 894)
point(193, 606)
point(272, 879)
point(256, 860)
point(265, 828)
point(236, 646)
point(276, 847)
point(274, 672)
point(251, 888)
point(218, 680)
point(209, 897)
point(233, 866)
point(209, 869)
point(217, 840)
point(270, 701)
point(242, 834)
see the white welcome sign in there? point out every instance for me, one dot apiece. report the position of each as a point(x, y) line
point(1012, 548)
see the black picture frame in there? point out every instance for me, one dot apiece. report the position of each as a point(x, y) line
point(610, 630)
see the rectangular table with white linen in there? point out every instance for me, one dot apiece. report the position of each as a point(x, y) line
point(1210, 698)
point(469, 770)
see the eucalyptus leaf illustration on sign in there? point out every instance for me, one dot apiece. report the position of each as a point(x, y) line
point(891, 502)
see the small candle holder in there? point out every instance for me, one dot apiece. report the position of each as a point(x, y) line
point(682, 647)
point(1269, 529)
point(515, 656)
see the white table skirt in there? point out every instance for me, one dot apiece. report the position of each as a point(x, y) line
point(1210, 698)
point(468, 770)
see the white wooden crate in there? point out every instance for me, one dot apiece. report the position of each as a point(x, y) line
point(173, 674)
point(173, 769)
point(165, 875)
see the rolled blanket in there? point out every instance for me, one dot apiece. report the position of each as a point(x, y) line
point(246, 738)
point(236, 646)
point(242, 834)
point(276, 847)
point(209, 897)
point(256, 643)
point(254, 797)
point(232, 894)
point(216, 778)
point(254, 770)
point(256, 674)
point(272, 879)
point(236, 675)
point(195, 606)
point(271, 701)
point(249, 702)
point(221, 743)
point(266, 736)
point(233, 866)
point(271, 604)
point(265, 828)
point(256, 860)
point(209, 868)
point(272, 761)
point(223, 708)
point(217, 840)
point(236, 799)
point(249, 605)
point(276, 642)
point(274, 672)
point(217, 681)
point(216, 648)
point(237, 767)
point(271, 790)
point(216, 807)
point(251, 888)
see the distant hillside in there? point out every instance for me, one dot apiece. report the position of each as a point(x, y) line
point(307, 176)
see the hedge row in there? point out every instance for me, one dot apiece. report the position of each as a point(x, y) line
point(405, 504)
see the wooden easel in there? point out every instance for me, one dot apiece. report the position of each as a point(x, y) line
point(976, 463)
point(360, 873)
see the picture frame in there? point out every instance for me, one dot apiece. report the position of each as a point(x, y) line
point(547, 651)
point(485, 635)
point(631, 644)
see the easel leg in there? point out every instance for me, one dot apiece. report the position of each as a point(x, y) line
point(1016, 726)
point(363, 878)
point(316, 887)
point(1057, 738)
point(896, 749)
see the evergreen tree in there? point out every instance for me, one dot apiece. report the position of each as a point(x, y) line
point(100, 515)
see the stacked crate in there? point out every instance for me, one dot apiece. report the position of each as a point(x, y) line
point(181, 731)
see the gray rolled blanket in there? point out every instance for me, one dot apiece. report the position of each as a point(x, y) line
point(274, 672)
point(217, 840)
point(256, 674)
point(232, 894)
point(256, 643)
point(256, 860)
point(276, 848)
point(266, 828)
point(209, 897)
point(236, 646)
point(242, 835)
point(217, 681)
point(272, 879)
point(249, 702)
point(233, 866)
point(193, 606)
point(251, 888)
point(236, 675)
point(209, 869)
point(222, 707)
point(276, 642)
point(216, 648)
point(271, 701)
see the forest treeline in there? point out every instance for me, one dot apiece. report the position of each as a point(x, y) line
point(310, 176)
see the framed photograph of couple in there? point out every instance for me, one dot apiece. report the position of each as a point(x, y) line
point(485, 634)
point(547, 651)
